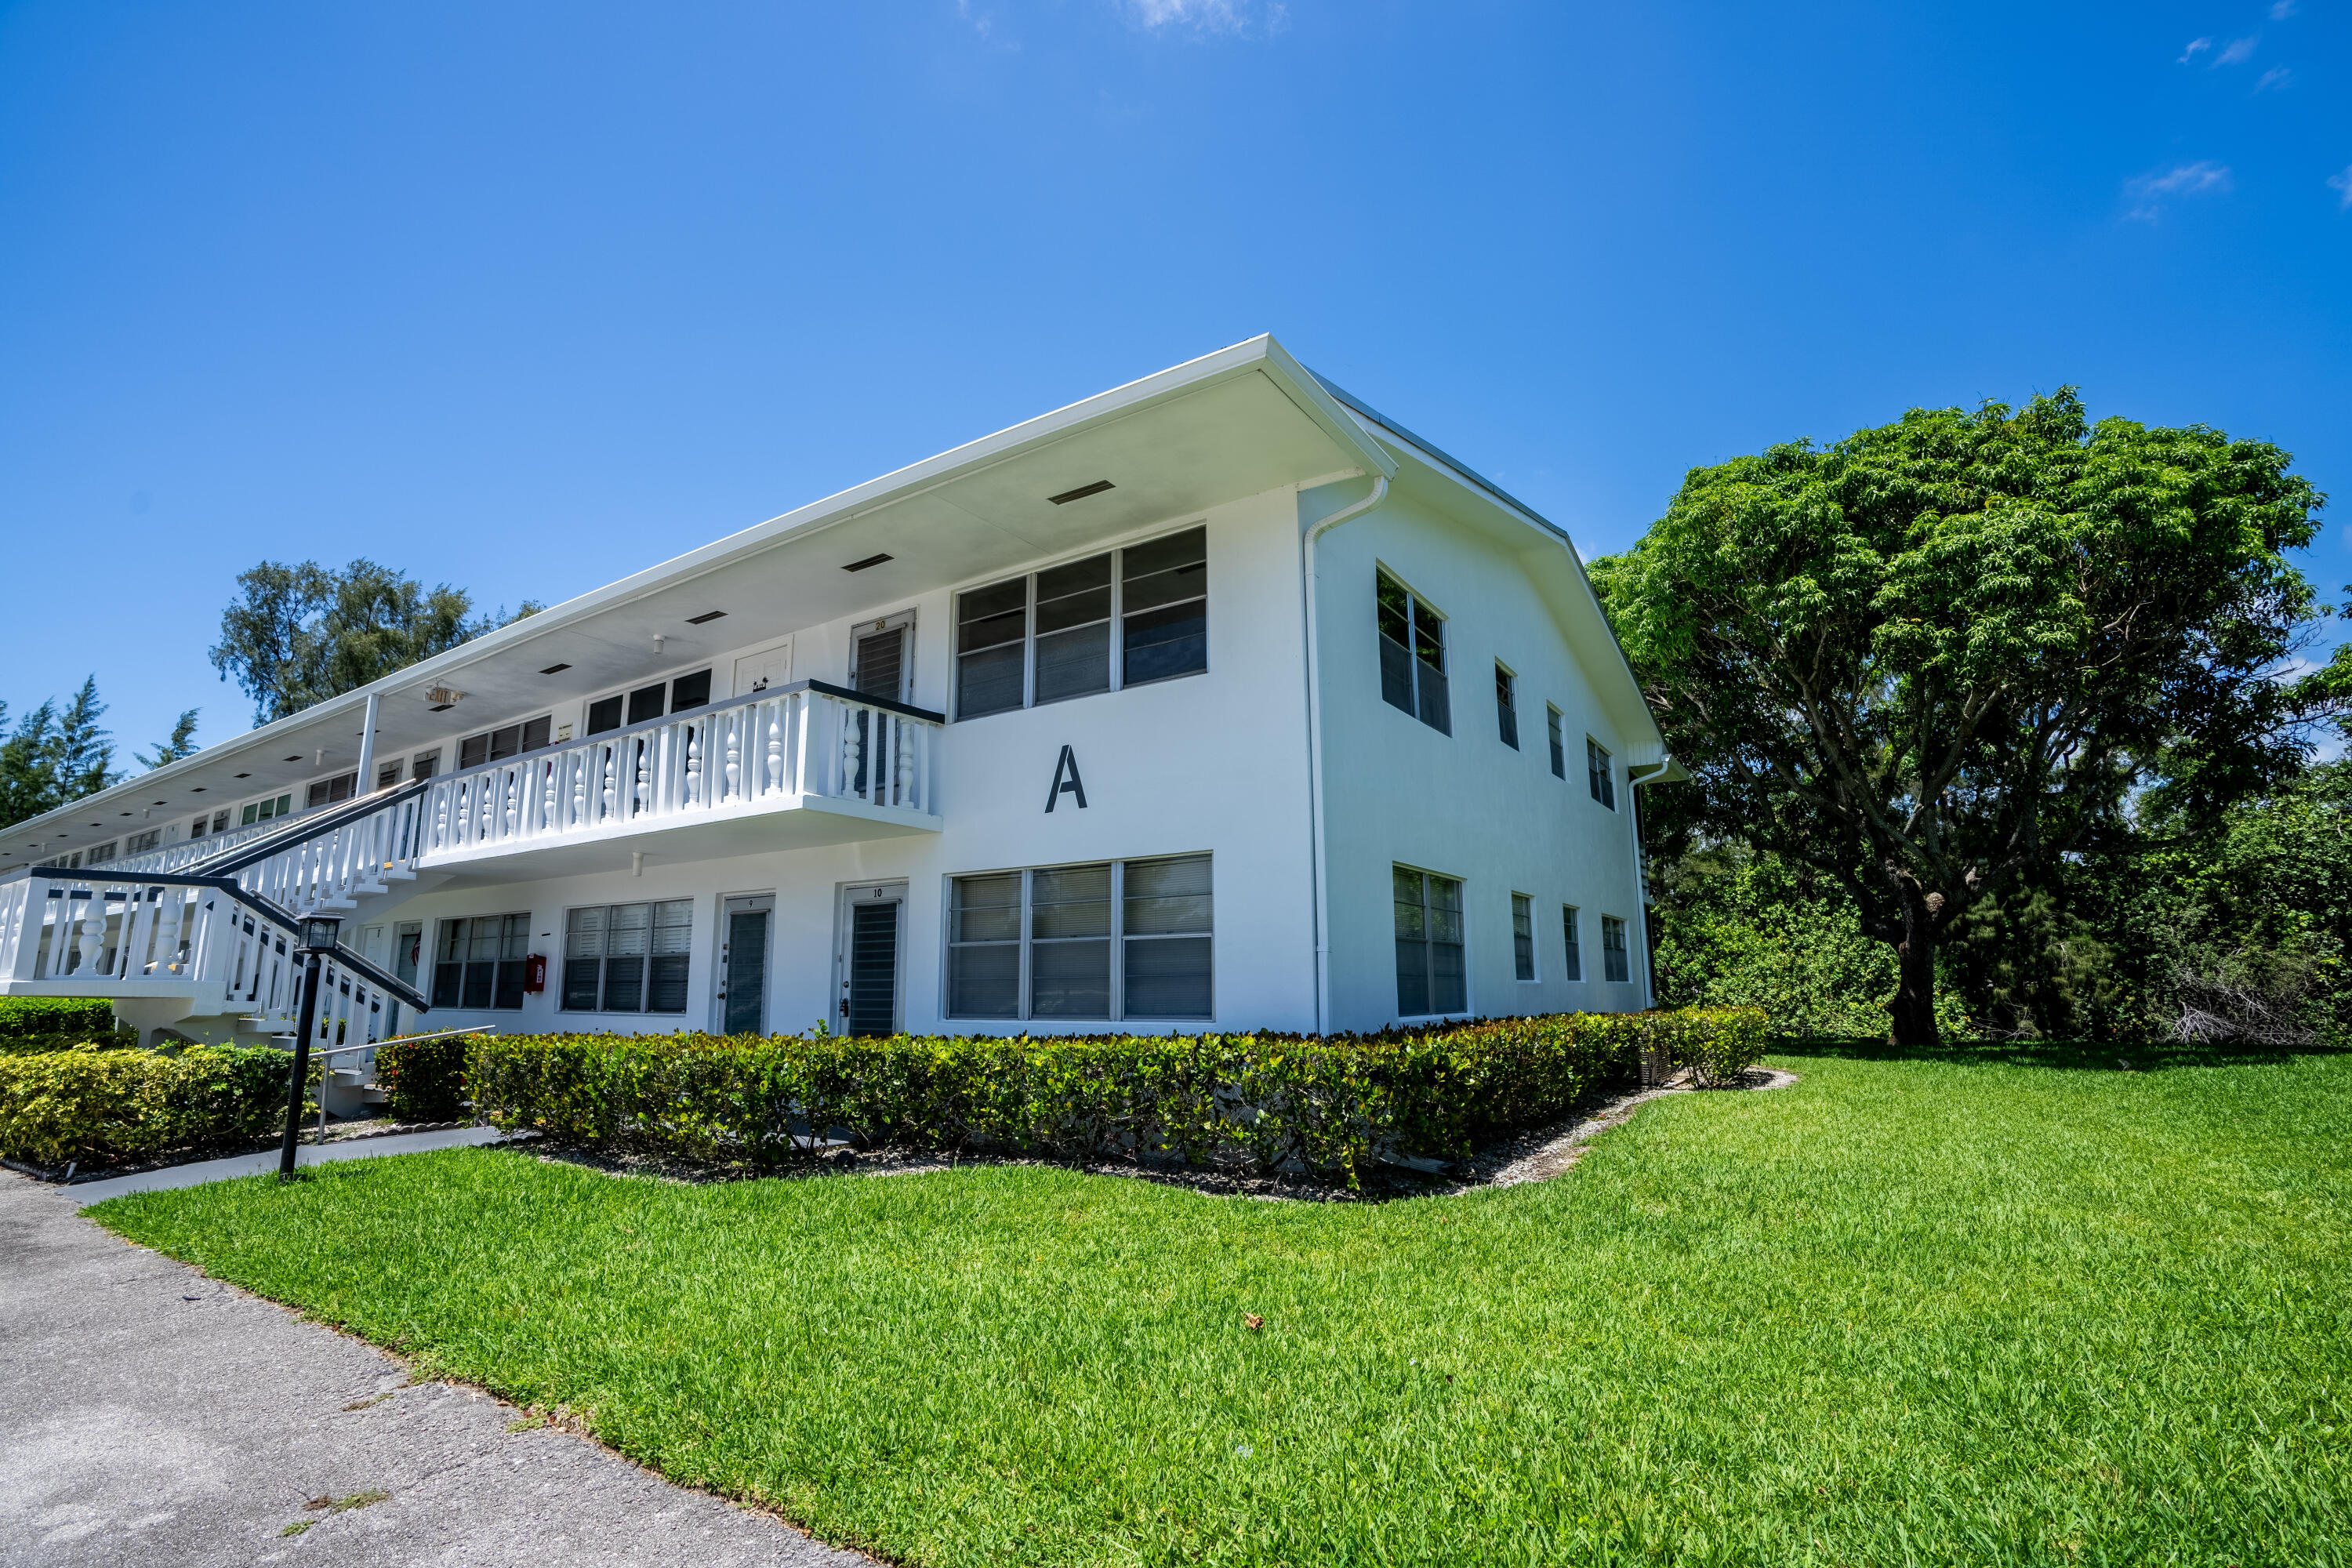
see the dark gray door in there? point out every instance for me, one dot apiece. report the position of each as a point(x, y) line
point(872, 978)
point(743, 990)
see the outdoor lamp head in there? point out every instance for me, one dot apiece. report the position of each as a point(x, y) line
point(320, 933)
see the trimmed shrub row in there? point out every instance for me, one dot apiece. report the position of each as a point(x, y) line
point(1263, 1103)
point(38, 1022)
point(426, 1079)
point(90, 1104)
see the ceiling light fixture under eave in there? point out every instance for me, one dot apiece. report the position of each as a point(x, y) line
point(1082, 493)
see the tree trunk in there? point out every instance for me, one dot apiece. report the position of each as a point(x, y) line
point(1915, 959)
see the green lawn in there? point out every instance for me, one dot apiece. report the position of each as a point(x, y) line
point(1905, 1312)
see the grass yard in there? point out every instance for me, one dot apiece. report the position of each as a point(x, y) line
point(1909, 1311)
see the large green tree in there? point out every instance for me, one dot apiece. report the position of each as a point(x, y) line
point(299, 634)
point(1929, 659)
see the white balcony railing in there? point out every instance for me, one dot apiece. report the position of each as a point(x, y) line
point(759, 752)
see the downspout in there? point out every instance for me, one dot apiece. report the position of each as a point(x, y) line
point(1640, 876)
point(1321, 899)
point(365, 782)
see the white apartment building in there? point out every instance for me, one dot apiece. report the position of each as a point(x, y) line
point(1215, 701)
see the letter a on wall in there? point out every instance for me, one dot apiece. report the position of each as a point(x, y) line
point(1067, 781)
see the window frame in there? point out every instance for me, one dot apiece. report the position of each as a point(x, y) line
point(1601, 773)
point(1619, 956)
point(1556, 722)
point(1429, 973)
point(1507, 704)
point(498, 963)
point(1571, 943)
point(1438, 714)
point(1115, 619)
point(644, 1008)
point(1117, 938)
point(1523, 968)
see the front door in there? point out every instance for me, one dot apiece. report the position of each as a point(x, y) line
point(743, 965)
point(870, 928)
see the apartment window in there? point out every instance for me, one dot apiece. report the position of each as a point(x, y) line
point(1559, 746)
point(99, 854)
point(1616, 964)
point(479, 963)
point(1412, 656)
point(497, 745)
point(1127, 939)
point(332, 792)
point(424, 764)
point(1126, 618)
point(1429, 944)
point(1597, 772)
point(627, 958)
point(1523, 936)
point(1507, 707)
point(140, 843)
point(646, 703)
point(1573, 968)
point(217, 824)
point(387, 774)
point(263, 810)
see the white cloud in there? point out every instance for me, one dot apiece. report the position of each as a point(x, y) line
point(1208, 16)
point(2277, 76)
point(2283, 10)
point(2343, 183)
point(2237, 52)
point(2150, 192)
point(2196, 46)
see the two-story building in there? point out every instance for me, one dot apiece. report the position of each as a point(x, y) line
point(1218, 701)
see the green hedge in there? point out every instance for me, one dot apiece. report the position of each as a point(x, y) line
point(426, 1078)
point(90, 1104)
point(1265, 1102)
point(40, 1022)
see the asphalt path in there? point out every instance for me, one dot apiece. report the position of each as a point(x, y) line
point(149, 1415)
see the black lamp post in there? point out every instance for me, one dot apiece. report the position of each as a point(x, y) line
point(318, 938)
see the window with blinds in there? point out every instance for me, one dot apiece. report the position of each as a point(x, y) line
point(1413, 655)
point(1118, 939)
point(1430, 977)
point(478, 963)
point(1126, 618)
point(508, 741)
point(627, 958)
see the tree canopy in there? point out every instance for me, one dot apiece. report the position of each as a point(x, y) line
point(1923, 661)
point(299, 634)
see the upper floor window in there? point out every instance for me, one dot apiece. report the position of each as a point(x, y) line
point(1558, 745)
point(140, 843)
point(1599, 773)
point(1121, 618)
point(1412, 656)
point(99, 854)
point(424, 764)
point(1573, 966)
point(642, 705)
point(1506, 706)
point(1430, 974)
point(263, 810)
point(497, 745)
point(332, 792)
point(218, 822)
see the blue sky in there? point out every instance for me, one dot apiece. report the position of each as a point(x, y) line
point(525, 298)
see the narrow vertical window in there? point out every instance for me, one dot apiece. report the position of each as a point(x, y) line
point(1074, 631)
point(984, 947)
point(1164, 604)
point(1069, 942)
point(1573, 965)
point(1507, 707)
point(1598, 774)
point(1616, 962)
point(1559, 746)
point(1430, 974)
point(1165, 929)
point(1523, 936)
point(992, 635)
point(1413, 655)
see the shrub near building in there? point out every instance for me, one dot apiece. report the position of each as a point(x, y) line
point(89, 1103)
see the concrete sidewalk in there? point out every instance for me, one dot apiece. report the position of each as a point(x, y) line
point(150, 1415)
point(84, 1194)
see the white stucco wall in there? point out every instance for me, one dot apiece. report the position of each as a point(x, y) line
point(1464, 805)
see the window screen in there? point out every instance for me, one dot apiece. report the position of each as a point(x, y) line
point(1597, 773)
point(1074, 629)
point(478, 963)
point(1523, 936)
point(1167, 936)
point(1572, 966)
point(1069, 938)
point(1413, 655)
point(1164, 601)
point(627, 958)
point(992, 637)
point(1559, 746)
point(332, 792)
point(984, 947)
point(1429, 975)
point(1123, 618)
point(1507, 707)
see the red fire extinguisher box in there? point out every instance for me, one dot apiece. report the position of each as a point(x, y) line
point(534, 974)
